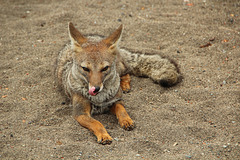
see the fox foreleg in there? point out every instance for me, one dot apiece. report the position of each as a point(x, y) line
point(123, 118)
point(82, 113)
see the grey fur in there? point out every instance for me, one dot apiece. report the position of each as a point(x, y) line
point(71, 81)
point(157, 68)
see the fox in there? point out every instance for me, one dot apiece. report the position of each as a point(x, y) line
point(94, 72)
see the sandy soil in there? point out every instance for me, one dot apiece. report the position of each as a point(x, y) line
point(197, 119)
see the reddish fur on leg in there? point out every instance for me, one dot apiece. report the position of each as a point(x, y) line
point(123, 118)
point(125, 83)
point(82, 109)
point(96, 127)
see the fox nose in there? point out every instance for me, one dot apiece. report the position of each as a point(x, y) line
point(97, 88)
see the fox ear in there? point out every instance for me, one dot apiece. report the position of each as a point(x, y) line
point(77, 39)
point(113, 40)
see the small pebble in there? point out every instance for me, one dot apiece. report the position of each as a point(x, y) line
point(138, 155)
point(42, 24)
point(225, 146)
point(175, 144)
point(188, 156)
point(224, 82)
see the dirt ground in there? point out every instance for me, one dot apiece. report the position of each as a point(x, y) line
point(196, 119)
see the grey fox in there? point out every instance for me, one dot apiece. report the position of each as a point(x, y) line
point(93, 72)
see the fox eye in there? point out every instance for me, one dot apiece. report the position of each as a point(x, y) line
point(104, 69)
point(86, 69)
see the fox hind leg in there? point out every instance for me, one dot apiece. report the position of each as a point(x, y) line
point(125, 83)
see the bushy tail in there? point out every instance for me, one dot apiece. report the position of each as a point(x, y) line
point(161, 70)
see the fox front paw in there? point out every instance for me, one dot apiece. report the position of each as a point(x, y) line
point(127, 124)
point(104, 139)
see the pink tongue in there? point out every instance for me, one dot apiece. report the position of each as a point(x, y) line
point(91, 91)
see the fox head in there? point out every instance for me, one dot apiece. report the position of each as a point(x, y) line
point(94, 59)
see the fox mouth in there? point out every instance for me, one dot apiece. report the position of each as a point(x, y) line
point(93, 91)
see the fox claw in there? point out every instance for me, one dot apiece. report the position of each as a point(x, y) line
point(126, 90)
point(129, 128)
point(105, 140)
point(128, 125)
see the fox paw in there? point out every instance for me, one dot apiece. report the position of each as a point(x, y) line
point(128, 124)
point(125, 83)
point(125, 87)
point(104, 139)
